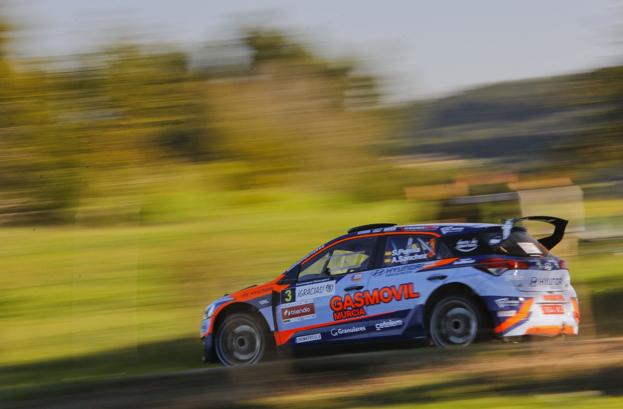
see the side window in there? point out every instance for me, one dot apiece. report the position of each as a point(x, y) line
point(348, 257)
point(407, 249)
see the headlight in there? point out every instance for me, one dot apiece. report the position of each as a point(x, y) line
point(209, 311)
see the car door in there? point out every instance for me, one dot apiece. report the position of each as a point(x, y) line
point(308, 310)
point(401, 284)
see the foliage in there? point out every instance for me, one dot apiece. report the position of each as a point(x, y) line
point(289, 118)
point(567, 124)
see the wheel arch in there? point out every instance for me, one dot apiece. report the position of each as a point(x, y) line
point(235, 308)
point(455, 288)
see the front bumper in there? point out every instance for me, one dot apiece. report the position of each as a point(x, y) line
point(208, 341)
point(208, 348)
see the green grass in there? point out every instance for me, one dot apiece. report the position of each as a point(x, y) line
point(73, 291)
point(105, 294)
point(569, 400)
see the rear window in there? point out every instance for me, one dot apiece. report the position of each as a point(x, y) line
point(519, 244)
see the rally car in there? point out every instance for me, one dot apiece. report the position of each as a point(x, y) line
point(450, 284)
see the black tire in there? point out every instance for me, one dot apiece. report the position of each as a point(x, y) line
point(241, 339)
point(456, 320)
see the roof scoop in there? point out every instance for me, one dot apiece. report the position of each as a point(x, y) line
point(371, 226)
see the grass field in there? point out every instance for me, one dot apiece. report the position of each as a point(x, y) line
point(507, 375)
point(73, 291)
point(83, 300)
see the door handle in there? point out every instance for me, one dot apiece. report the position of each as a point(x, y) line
point(437, 277)
point(354, 288)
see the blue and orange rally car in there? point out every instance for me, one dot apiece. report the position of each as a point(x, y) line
point(450, 283)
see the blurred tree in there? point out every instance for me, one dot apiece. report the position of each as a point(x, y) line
point(598, 151)
point(296, 116)
point(288, 115)
point(606, 134)
point(38, 171)
point(133, 106)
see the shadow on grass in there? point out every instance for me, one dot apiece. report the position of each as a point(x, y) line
point(608, 381)
point(606, 308)
point(168, 368)
point(236, 387)
point(171, 355)
point(99, 376)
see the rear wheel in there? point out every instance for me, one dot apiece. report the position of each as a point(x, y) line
point(240, 340)
point(455, 321)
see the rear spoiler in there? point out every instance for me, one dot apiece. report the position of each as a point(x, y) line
point(548, 242)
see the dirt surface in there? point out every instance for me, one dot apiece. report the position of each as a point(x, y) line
point(551, 366)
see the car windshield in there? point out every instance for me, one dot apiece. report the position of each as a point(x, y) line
point(348, 257)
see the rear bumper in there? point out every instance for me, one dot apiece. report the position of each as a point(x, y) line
point(542, 315)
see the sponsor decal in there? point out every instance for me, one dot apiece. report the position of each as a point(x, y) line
point(352, 305)
point(464, 261)
point(547, 265)
point(356, 277)
point(452, 229)
point(397, 270)
point(387, 324)
point(506, 302)
point(315, 290)
point(264, 302)
point(317, 249)
point(545, 281)
point(529, 248)
point(466, 246)
point(553, 297)
point(307, 292)
point(336, 332)
point(298, 312)
point(378, 230)
point(552, 309)
point(417, 228)
point(307, 338)
point(506, 313)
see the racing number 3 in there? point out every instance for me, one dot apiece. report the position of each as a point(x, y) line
point(286, 296)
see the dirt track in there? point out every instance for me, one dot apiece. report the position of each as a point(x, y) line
point(552, 366)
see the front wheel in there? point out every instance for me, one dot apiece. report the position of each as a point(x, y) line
point(455, 321)
point(240, 340)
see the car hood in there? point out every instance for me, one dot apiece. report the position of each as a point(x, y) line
point(254, 291)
